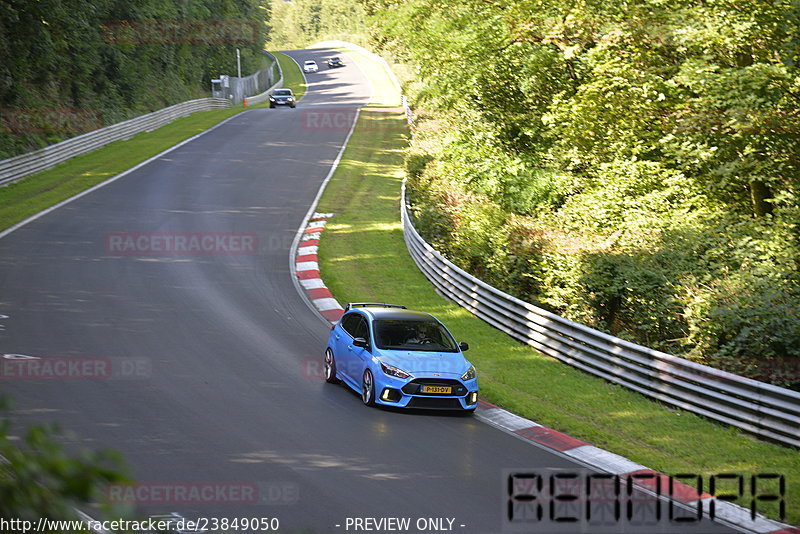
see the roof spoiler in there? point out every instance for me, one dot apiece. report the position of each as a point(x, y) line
point(352, 305)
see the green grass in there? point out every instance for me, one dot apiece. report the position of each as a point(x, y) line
point(363, 258)
point(36, 192)
point(384, 91)
point(292, 77)
point(41, 190)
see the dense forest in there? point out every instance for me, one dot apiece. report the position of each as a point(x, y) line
point(69, 66)
point(633, 166)
point(299, 23)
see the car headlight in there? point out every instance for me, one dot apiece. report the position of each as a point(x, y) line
point(394, 371)
point(470, 374)
point(271, 99)
point(289, 99)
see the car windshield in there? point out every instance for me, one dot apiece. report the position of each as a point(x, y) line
point(310, 63)
point(282, 92)
point(418, 335)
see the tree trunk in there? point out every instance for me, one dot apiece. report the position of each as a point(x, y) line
point(759, 194)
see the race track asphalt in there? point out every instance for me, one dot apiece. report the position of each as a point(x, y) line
point(215, 358)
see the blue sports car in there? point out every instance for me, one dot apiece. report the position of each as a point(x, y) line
point(399, 357)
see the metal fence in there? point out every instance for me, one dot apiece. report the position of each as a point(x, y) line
point(238, 89)
point(277, 75)
point(762, 409)
point(256, 83)
point(18, 167)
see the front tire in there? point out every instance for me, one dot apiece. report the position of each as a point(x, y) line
point(330, 368)
point(368, 388)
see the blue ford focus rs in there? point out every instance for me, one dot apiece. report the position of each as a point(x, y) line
point(398, 357)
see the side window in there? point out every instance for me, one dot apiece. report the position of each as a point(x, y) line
point(350, 323)
point(361, 329)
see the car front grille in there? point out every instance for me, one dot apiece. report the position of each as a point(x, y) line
point(413, 387)
point(433, 403)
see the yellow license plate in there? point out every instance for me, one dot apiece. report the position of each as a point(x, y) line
point(444, 390)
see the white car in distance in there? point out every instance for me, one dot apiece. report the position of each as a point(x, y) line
point(310, 66)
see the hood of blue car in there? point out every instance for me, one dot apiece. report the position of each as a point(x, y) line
point(419, 362)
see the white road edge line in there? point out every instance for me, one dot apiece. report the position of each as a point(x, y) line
point(483, 418)
point(298, 236)
point(114, 178)
point(95, 187)
point(303, 74)
point(304, 224)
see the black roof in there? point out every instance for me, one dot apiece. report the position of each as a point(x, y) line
point(397, 314)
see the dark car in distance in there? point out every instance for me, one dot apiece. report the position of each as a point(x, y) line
point(334, 62)
point(281, 97)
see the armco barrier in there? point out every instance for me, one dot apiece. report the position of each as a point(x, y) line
point(257, 99)
point(762, 409)
point(18, 167)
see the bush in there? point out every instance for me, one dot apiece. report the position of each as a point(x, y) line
point(38, 479)
point(749, 325)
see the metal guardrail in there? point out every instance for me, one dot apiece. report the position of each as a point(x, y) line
point(18, 167)
point(257, 99)
point(276, 65)
point(768, 411)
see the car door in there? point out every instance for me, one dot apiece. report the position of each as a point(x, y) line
point(360, 356)
point(343, 351)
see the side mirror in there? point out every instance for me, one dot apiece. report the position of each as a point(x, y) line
point(360, 342)
point(463, 346)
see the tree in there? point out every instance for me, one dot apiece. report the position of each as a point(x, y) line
point(38, 478)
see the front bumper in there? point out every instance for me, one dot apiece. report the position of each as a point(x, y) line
point(408, 393)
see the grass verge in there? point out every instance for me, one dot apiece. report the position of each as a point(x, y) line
point(36, 192)
point(41, 190)
point(363, 258)
point(292, 77)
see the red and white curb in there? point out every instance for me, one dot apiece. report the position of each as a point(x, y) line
point(306, 266)
point(608, 462)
